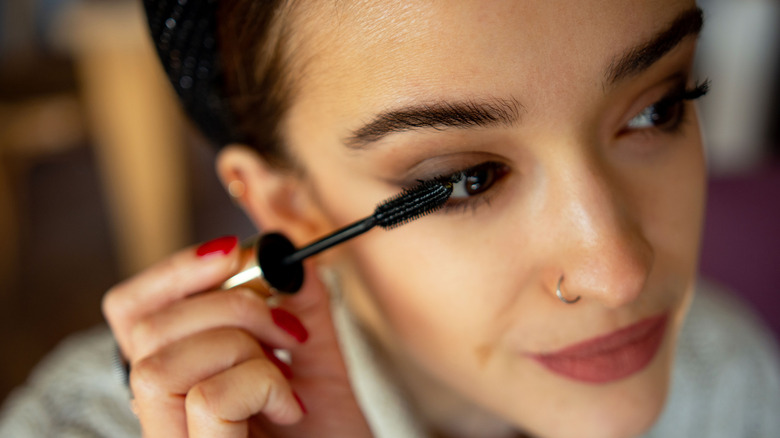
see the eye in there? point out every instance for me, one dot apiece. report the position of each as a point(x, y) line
point(476, 180)
point(664, 114)
point(669, 112)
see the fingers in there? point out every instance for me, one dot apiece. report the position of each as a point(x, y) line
point(320, 356)
point(202, 362)
point(220, 406)
point(212, 381)
point(234, 308)
point(186, 273)
point(319, 373)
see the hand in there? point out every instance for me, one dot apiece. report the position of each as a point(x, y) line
point(201, 358)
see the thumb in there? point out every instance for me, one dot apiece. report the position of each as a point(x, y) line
point(320, 356)
point(319, 373)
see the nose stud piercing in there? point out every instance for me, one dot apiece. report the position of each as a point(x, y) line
point(560, 294)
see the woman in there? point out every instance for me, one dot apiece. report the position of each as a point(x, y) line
point(547, 299)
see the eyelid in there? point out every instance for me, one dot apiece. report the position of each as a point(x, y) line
point(673, 101)
point(482, 198)
point(444, 165)
point(667, 88)
point(652, 96)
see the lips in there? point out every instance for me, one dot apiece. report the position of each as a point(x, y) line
point(610, 357)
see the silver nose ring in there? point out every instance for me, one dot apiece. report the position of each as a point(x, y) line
point(560, 294)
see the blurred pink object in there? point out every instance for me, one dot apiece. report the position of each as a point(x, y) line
point(741, 246)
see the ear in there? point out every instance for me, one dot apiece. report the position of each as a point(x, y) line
point(274, 199)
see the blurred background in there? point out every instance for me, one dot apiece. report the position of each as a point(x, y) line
point(100, 176)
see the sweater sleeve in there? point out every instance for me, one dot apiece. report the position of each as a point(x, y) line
point(74, 393)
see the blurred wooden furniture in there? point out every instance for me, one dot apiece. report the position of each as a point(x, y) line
point(136, 127)
point(126, 108)
point(41, 125)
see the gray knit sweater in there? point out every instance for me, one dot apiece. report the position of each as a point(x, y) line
point(726, 383)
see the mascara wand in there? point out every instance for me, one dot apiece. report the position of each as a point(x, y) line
point(274, 259)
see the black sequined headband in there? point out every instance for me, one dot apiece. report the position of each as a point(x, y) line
point(184, 33)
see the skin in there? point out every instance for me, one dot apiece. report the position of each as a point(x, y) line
point(456, 301)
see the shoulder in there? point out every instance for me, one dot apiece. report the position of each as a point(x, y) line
point(726, 379)
point(721, 328)
point(73, 392)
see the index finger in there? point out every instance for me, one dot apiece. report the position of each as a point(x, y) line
point(187, 272)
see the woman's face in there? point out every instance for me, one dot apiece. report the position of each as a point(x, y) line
point(589, 167)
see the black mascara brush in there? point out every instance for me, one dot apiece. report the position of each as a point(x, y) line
point(274, 259)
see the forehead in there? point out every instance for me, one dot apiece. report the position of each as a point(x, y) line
point(367, 56)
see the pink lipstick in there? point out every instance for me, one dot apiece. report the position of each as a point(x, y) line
point(609, 357)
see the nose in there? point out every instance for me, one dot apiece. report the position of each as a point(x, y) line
point(601, 250)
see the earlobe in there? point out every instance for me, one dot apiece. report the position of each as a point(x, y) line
point(273, 198)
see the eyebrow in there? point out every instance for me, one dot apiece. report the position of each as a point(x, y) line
point(642, 56)
point(438, 115)
point(506, 112)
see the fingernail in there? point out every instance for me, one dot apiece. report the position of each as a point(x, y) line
point(300, 403)
point(283, 367)
point(289, 323)
point(219, 246)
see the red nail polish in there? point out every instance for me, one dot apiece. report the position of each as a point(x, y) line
point(300, 403)
point(218, 246)
point(283, 367)
point(289, 323)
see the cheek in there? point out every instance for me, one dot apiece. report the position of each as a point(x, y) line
point(675, 214)
point(409, 284)
point(423, 296)
point(670, 201)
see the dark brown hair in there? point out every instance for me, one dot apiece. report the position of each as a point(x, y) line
point(254, 37)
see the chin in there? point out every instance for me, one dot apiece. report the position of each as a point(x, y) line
point(631, 407)
point(632, 424)
point(613, 419)
point(620, 409)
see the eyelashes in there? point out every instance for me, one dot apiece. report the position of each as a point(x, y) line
point(473, 186)
point(668, 113)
